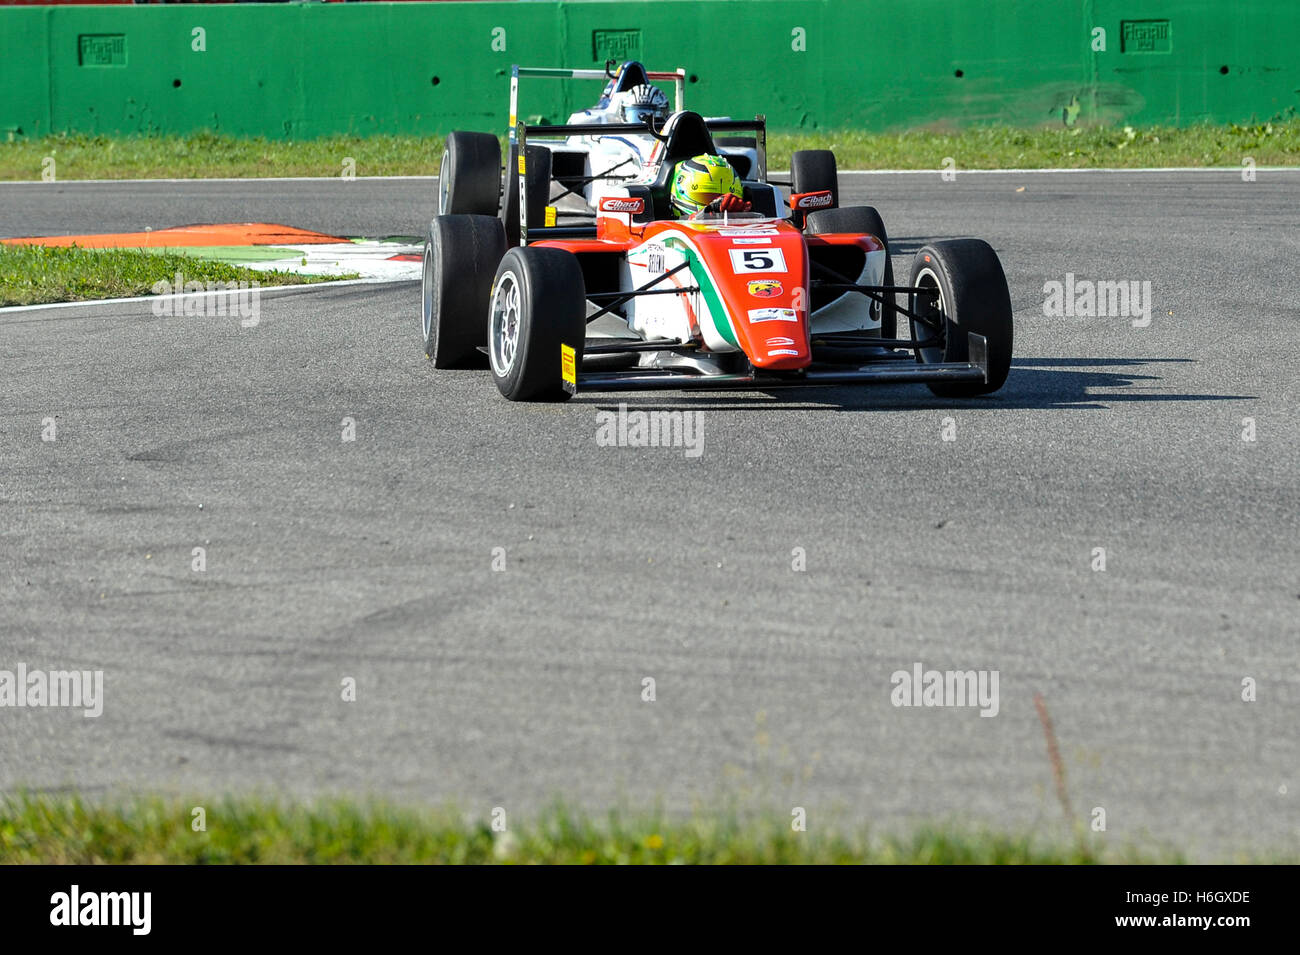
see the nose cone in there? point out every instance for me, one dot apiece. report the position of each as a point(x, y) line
point(761, 270)
point(771, 315)
point(777, 338)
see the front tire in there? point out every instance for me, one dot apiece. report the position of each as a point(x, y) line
point(461, 254)
point(972, 297)
point(469, 176)
point(538, 308)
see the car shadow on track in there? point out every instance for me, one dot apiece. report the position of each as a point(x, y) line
point(1034, 384)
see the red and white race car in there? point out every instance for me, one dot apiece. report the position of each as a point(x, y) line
point(798, 291)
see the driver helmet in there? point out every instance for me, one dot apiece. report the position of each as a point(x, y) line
point(700, 180)
point(641, 103)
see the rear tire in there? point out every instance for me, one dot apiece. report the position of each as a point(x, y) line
point(461, 254)
point(813, 170)
point(973, 297)
point(861, 219)
point(469, 176)
point(539, 191)
point(539, 303)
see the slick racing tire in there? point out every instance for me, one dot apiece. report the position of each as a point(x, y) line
point(538, 170)
point(972, 297)
point(813, 170)
point(538, 308)
point(861, 219)
point(461, 254)
point(469, 176)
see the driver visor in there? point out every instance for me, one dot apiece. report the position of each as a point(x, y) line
point(639, 114)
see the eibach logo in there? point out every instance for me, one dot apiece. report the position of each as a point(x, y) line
point(765, 288)
point(814, 200)
point(615, 204)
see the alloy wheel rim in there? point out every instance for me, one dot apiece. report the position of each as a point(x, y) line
point(444, 187)
point(426, 290)
point(929, 305)
point(505, 325)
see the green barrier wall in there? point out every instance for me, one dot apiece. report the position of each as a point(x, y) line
point(309, 70)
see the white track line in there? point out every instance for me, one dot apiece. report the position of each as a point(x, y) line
point(776, 172)
point(91, 182)
point(185, 295)
point(1020, 172)
point(375, 281)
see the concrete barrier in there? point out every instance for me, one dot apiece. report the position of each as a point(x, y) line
point(300, 71)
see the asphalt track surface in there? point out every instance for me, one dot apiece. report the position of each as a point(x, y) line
point(372, 559)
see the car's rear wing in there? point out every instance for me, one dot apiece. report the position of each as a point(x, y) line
point(678, 77)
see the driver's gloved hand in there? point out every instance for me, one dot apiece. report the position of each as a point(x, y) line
point(728, 203)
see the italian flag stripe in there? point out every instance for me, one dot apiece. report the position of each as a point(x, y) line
point(717, 312)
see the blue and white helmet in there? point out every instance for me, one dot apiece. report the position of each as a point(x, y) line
point(641, 103)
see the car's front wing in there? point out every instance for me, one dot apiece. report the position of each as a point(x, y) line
point(891, 370)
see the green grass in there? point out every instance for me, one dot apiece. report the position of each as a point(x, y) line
point(44, 829)
point(1000, 147)
point(209, 155)
point(35, 274)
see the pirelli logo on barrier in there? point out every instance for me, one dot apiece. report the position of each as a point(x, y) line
point(615, 45)
point(101, 49)
point(1145, 36)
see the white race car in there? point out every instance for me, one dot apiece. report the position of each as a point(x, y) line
point(584, 165)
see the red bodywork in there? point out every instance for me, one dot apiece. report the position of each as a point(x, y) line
point(728, 259)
